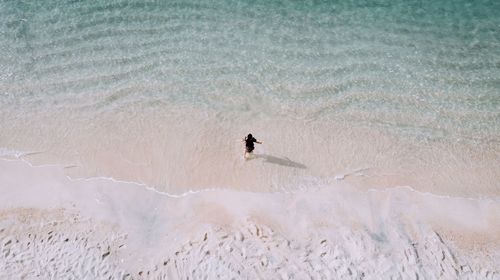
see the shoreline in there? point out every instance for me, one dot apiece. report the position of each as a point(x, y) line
point(365, 232)
point(365, 158)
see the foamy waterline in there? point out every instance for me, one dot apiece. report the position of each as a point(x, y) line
point(319, 184)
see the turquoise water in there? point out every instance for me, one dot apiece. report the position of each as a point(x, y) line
point(420, 70)
point(426, 61)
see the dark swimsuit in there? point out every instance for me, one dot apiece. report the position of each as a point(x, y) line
point(249, 144)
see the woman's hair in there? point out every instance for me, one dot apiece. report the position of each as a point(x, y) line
point(249, 136)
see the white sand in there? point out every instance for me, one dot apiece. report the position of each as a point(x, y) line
point(54, 228)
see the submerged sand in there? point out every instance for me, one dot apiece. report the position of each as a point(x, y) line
point(52, 227)
point(183, 148)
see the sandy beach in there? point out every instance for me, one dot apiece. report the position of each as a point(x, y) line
point(58, 228)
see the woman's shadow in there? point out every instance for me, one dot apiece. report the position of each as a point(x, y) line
point(283, 161)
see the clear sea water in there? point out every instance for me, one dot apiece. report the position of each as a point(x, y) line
point(410, 88)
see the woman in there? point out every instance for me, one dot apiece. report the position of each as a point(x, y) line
point(249, 147)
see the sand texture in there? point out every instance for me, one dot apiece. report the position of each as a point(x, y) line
point(57, 245)
point(52, 227)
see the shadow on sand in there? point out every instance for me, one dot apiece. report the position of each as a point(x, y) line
point(283, 161)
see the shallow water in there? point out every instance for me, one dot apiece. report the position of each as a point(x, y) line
point(162, 92)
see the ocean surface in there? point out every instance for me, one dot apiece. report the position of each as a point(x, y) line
point(377, 93)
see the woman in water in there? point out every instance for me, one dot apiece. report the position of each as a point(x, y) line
point(249, 147)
